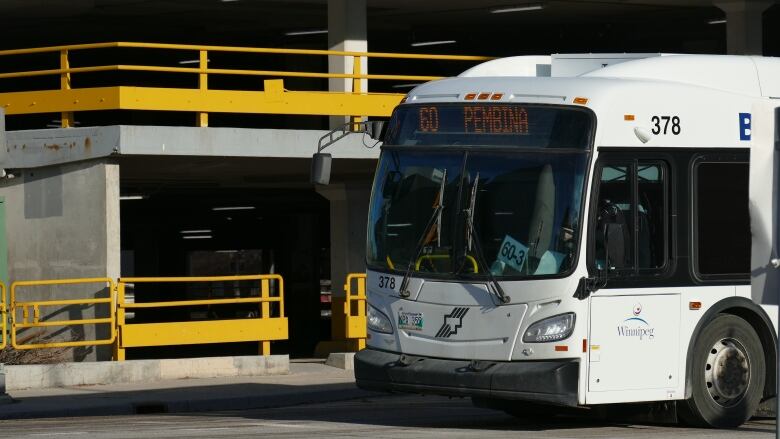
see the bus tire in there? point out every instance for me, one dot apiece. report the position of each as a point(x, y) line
point(727, 374)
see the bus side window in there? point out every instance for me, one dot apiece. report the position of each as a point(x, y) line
point(721, 220)
point(615, 216)
point(651, 216)
point(632, 203)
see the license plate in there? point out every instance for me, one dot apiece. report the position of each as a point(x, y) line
point(412, 321)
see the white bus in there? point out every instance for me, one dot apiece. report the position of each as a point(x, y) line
point(576, 231)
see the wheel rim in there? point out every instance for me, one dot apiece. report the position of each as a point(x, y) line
point(727, 372)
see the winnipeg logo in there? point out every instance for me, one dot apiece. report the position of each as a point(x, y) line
point(452, 322)
point(636, 326)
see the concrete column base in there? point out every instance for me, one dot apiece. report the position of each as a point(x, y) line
point(4, 398)
point(342, 360)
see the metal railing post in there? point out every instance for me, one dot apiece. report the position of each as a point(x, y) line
point(265, 312)
point(356, 89)
point(4, 316)
point(203, 85)
point(361, 307)
point(67, 116)
point(119, 351)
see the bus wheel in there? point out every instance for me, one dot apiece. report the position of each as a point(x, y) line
point(727, 378)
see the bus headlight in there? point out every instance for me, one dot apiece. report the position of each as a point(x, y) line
point(550, 329)
point(378, 321)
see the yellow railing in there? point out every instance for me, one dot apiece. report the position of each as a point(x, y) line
point(273, 99)
point(4, 316)
point(262, 329)
point(355, 308)
point(38, 322)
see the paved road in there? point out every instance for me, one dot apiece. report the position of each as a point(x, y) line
point(385, 416)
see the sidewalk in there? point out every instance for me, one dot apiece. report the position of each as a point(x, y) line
point(306, 383)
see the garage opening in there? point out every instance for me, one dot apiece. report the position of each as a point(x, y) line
point(197, 216)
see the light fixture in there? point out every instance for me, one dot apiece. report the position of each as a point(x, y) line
point(433, 43)
point(233, 208)
point(227, 251)
point(196, 231)
point(306, 32)
point(192, 61)
point(196, 237)
point(722, 21)
point(518, 8)
point(132, 197)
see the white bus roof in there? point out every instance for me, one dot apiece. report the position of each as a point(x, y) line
point(746, 75)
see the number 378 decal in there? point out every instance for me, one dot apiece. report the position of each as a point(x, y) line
point(666, 125)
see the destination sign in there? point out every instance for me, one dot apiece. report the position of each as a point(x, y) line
point(488, 119)
point(490, 124)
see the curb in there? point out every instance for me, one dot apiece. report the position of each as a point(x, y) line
point(43, 376)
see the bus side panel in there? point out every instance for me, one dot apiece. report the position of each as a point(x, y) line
point(634, 342)
point(764, 193)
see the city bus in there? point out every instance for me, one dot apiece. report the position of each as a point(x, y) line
point(578, 231)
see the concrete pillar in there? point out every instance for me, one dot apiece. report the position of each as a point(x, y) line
point(62, 222)
point(346, 32)
point(744, 25)
point(348, 213)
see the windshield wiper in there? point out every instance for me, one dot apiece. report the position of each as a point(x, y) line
point(403, 291)
point(473, 237)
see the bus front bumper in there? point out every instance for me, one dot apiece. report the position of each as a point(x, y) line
point(550, 381)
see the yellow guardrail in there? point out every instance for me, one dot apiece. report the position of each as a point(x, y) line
point(263, 329)
point(355, 308)
point(274, 99)
point(4, 316)
point(38, 322)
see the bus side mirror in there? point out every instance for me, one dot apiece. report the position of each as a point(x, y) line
point(375, 129)
point(320, 168)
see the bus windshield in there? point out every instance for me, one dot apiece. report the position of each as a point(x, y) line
point(526, 198)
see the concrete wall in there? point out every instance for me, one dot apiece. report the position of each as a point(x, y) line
point(63, 222)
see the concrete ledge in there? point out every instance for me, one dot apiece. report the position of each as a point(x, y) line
point(115, 372)
point(342, 360)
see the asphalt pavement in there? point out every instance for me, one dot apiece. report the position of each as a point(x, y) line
point(376, 416)
point(314, 400)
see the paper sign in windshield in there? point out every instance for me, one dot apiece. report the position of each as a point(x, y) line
point(513, 253)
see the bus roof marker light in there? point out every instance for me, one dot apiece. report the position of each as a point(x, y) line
point(518, 8)
point(580, 100)
point(470, 96)
point(496, 96)
point(483, 96)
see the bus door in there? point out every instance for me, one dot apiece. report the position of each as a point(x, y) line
point(762, 129)
point(634, 324)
